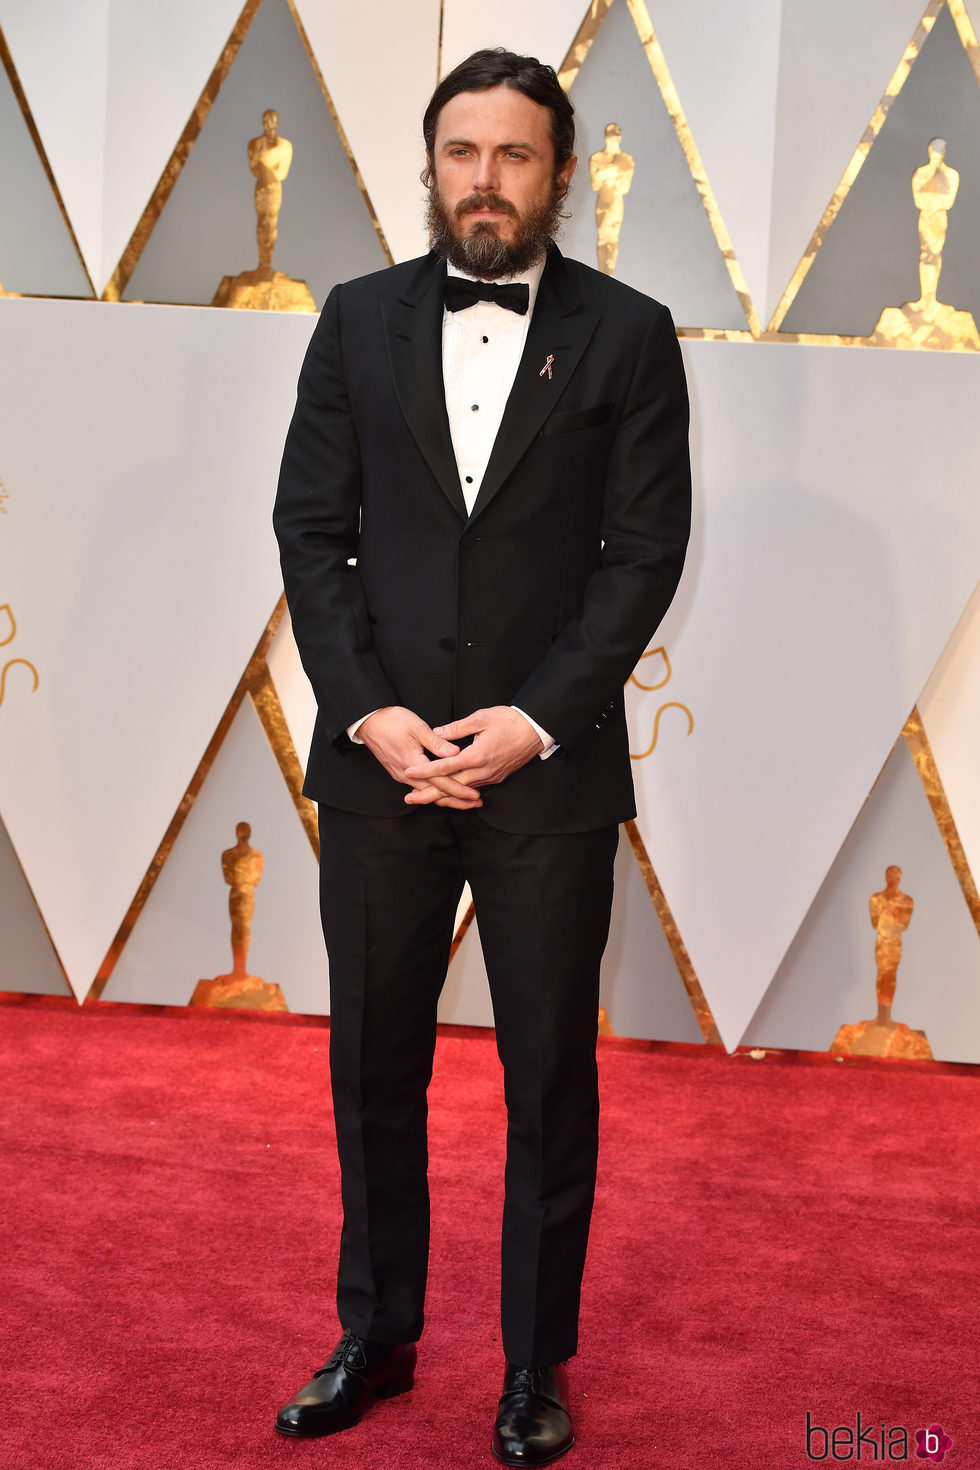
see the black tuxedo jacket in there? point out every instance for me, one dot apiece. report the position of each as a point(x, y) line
point(546, 595)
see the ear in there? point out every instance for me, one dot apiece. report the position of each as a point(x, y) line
point(564, 174)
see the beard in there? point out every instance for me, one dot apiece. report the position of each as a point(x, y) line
point(481, 251)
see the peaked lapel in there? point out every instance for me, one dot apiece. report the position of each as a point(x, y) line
point(559, 329)
point(413, 335)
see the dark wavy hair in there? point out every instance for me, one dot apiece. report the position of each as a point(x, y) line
point(495, 67)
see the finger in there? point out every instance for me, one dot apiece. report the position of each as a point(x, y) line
point(466, 794)
point(448, 785)
point(447, 767)
point(447, 801)
point(433, 796)
point(434, 742)
point(468, 725)
point(478, 778)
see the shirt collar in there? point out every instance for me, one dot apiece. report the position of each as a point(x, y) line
point(531, 278)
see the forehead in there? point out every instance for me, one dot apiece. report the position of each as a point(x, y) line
point(497, 115)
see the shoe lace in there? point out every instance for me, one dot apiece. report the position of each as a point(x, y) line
point(530, 1380)
point(339, 1353)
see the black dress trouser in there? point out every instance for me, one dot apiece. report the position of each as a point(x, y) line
point(389, 893)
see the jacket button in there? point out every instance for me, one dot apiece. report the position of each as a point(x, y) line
point(469, 538)
point(449, 644)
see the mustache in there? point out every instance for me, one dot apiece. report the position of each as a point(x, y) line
point(485, 201)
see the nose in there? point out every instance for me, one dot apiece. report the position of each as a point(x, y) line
point(486, 175)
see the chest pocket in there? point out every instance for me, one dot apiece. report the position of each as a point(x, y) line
point(577, 418)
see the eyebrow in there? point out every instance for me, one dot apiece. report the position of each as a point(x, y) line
point(501, 147)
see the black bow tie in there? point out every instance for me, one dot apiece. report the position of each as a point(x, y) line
point(461, 292)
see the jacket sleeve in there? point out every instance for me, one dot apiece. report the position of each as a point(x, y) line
point(317, 520)
point(646, 518)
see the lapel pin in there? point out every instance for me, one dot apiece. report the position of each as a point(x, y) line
point(547, 366)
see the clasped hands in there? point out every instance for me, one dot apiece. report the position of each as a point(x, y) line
point(503, 742)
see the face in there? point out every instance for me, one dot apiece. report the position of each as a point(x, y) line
point(495, 195)
point(270, 121)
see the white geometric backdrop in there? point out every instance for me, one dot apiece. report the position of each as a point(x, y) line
point(831, 584)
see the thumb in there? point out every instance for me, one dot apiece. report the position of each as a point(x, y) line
point(433, 742)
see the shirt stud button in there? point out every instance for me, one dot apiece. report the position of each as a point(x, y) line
point(475, 407)
point(469, 479)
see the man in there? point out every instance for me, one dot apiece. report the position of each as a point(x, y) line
point(483, 510)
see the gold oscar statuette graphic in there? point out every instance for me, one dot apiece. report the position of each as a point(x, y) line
point(891, 914)
point(929, 322)
point(610, 173)
point(242, 868)
point(265, 289)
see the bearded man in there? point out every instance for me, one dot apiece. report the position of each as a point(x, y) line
point(483, 511)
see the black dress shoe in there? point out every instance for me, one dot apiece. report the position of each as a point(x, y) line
point(337, 1395)
point(533, 1424)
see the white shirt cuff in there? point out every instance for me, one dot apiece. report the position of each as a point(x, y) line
point(353, 729)
point(549, 745)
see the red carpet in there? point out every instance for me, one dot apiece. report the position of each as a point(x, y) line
point(770, 1238)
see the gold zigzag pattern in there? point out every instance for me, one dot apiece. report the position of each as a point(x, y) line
point(925, 763)
point(567, 73)
point(967, 35)
point(256, 682)
point(138, 241)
